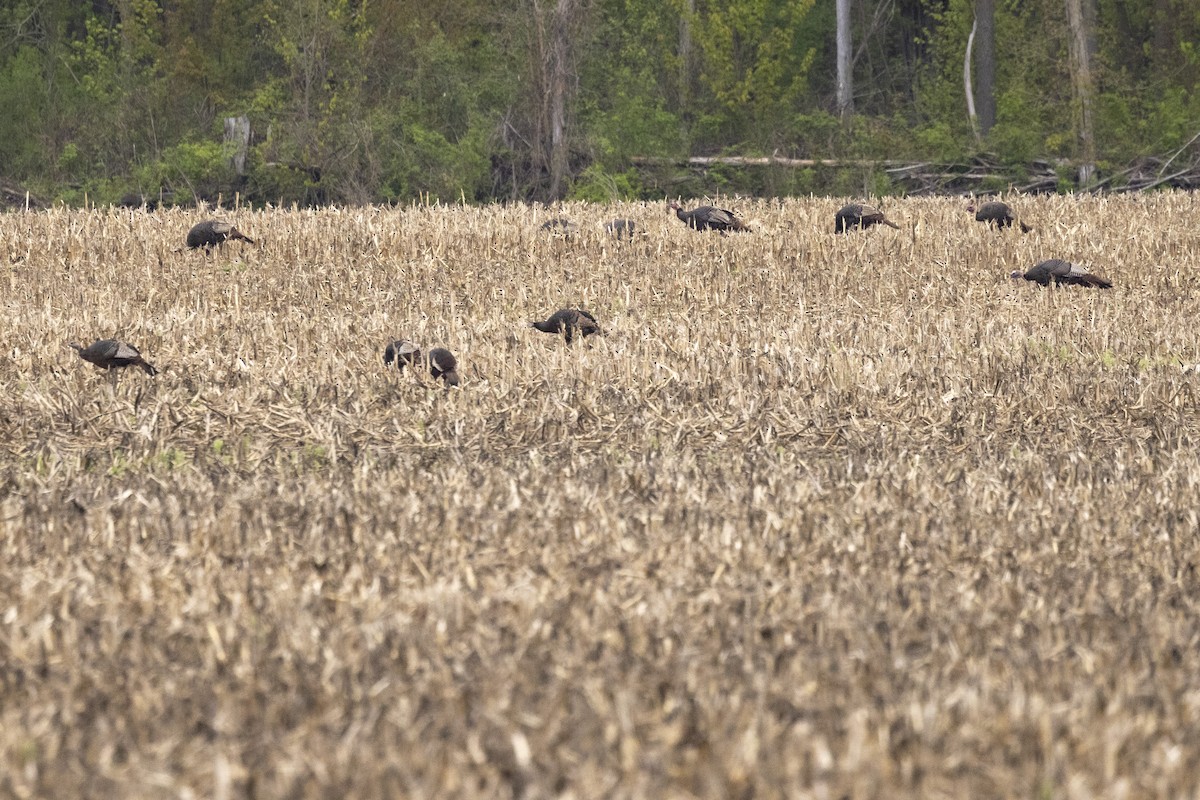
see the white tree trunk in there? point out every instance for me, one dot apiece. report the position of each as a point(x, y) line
point(237, 139)
point(845, 78)
point(967, 90)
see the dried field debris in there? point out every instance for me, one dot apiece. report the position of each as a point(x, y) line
point(821, 516)
point(560, 226)
point(621, 228)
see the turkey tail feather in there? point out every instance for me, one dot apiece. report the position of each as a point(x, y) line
point(1092, 281)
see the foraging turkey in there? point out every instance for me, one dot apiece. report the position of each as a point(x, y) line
point(443, 364)
point(857, 215)
point(1061, 272)
point(621, 228)
point(560, 226)
point(111, 354)
point(997, 213)
point(568, 322)
point(403, 352)
point(708, 218)
point(212, 232)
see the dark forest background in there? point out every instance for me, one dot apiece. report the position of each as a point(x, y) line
point(357, 101)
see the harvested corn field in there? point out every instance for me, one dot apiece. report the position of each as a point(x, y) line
point(813, 515)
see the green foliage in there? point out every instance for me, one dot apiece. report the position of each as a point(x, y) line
point(1018, 137)
point(94, 58)
point(431, 136)
point(22, 149)
point(750, 59)
point(423, 163)
point(596, 185)
point(630, 122)
point(623, 113)
point(938, 139)
point(365, 100)
point(817, 134)
point(755, 65)
point(172, 458)
point(69, 160)
point(194, 170)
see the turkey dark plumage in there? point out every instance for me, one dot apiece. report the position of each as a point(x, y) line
point(997, 213)
point(112, 354)
point(569, 323)
point(858, 215)
point(212, 232)
point(1062, 273)
point(709, 218)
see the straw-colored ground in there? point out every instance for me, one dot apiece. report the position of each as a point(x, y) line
point(821, 516)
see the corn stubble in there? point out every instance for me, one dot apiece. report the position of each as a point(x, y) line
point(821, 515)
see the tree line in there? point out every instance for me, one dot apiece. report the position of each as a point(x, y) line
point(356, 101)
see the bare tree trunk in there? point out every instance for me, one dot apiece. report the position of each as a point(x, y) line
point(540, 69)
point(1081, 40)
point(237, 140)
point(1164, 30)
point(685, 62)
point(845, 78)
point(985, 17)
point(1167, 29)
point(560, 87)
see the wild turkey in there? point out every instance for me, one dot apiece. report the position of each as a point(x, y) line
point(568, 322)
point(708, 218)
point(560, 226)
point(621, 228)
point(997, 213)
point(1061, 272)
point(443, 364)
point(402, 352)
point(857, 215)
point(212, 232)
point(111, 354)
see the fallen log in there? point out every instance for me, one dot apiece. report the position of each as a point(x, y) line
point(15, 196)
point(980, 175)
